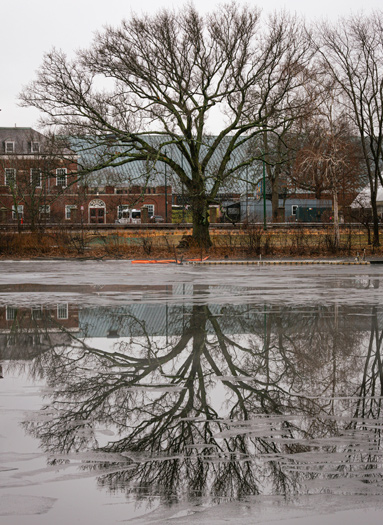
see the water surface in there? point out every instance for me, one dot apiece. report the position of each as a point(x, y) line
point(180, 394)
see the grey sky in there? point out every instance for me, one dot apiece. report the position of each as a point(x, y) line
point(31, 28)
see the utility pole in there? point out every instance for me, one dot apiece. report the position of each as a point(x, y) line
point(247, 194)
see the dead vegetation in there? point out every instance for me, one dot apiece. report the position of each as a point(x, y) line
point(248, 243)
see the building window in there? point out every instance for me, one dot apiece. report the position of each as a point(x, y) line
point(150, 208)
point(61, 177)
point(62, 311)
point(11, 340)
point(37, 339)
point(37, 313)
point(9, 147)
point(45, 211)
point(11, 313)
point(294, 208)
point(69, 211)
point(36, 177)
point(10, 176)
point(120, 210)
point(20, 212)
point(35, 147)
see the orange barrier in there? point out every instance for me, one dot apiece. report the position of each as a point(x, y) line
point(167, 261)
point(149, 261)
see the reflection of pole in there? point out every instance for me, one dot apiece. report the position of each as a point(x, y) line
point(166, 193)
point(266, 343)
point(247, 195)
point(264, 326)
point(183, 196)
point(167, 319)
point(264, 192)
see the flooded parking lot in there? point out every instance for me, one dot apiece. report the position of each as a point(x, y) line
point(184, 394)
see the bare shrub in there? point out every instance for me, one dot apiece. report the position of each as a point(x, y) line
point(147, 245)
point(252, 240)
point(268, 244)
point(298, 240)
point(70, 241)
point(330, 241)
point(7, 242)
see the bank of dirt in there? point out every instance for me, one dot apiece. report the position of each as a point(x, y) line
point(254, 244)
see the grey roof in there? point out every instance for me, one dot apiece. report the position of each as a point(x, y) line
point(23, 139)
point(143, 319)
point(92, 153)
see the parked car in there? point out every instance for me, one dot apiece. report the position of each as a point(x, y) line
point(156, 218)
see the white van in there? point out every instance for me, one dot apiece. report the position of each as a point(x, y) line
point(129, 216)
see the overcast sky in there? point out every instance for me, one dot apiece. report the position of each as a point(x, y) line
point(29, 28)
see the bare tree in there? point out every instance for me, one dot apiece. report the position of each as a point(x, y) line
point(329, 160)
point(164, 77)
point(352, 51)
point(281, 137)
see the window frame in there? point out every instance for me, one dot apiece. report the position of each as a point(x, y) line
point(147, 206)
point(60, 308)
point(35, 147)
point(37, 313)
point(64, 174)
point(294, 208)
point(40, 177)
point(6, 176)
point(121, 208)
point(7, 144)
point(69, 207)
point(20, 211)
point(45, 209)
point(8, 315)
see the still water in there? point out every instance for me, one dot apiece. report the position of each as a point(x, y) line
point(190, 394)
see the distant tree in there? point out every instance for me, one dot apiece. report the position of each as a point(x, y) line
point(329, 159)
point(352, 52)
point(164, 77)
point(280, 139)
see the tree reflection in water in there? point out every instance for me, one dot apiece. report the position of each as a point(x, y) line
point(229, 402)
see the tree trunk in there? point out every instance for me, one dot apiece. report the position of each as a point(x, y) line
point(200, 212)
point(274, 199)
point(375, 218)
point(33, 221)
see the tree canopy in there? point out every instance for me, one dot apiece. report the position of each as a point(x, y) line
point(169, 75)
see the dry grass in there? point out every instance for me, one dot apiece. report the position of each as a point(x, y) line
point(246, 244)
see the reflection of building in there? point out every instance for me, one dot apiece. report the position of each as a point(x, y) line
point(24, 331)
point(140, 319)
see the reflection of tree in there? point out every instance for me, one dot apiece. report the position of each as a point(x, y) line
point(226, 407)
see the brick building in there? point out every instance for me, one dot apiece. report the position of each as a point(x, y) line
point(39, 183)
